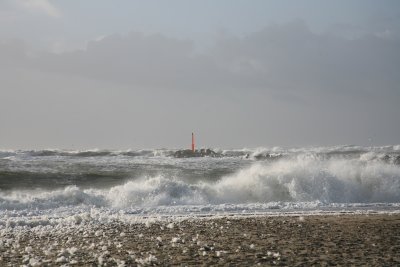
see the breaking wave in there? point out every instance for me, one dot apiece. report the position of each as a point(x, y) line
point(302, 178)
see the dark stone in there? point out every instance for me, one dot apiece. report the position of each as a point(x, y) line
point(187, 153)
point(397, 160)
point(268, 156)
point(386, 159)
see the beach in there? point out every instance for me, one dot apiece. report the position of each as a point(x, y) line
point(294, 240)
point(287, 207)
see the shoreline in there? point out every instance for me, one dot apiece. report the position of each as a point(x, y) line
point(324, 239)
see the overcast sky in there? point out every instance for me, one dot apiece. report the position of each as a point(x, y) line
point(145, 74)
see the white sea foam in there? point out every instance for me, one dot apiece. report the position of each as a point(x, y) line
point(304, 180)
point(41, 199)
point(308, 179)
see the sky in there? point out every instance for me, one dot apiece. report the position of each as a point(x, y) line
point(145, 74)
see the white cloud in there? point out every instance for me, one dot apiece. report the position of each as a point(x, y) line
point(43, 6)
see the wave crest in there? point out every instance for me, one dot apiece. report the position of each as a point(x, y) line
point(304, 178)
point(294, 180)
point(309, 179)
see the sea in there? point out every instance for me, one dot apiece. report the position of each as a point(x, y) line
point(56, 187)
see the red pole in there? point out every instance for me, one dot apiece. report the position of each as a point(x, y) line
point(192, 142)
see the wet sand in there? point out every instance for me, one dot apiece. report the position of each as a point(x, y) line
point(372, 240)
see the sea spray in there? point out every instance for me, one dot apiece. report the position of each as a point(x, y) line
point(65, 183)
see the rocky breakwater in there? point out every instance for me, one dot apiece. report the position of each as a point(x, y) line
point(187, 153)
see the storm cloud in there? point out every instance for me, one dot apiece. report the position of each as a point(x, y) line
point(282, 85)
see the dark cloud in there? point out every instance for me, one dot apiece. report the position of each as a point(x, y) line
point(280, 57)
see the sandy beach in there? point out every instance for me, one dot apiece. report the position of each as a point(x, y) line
point(368, 239)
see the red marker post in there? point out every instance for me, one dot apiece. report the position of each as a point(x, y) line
point(192, 142)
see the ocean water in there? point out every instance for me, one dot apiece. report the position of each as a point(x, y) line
point(47, 187)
